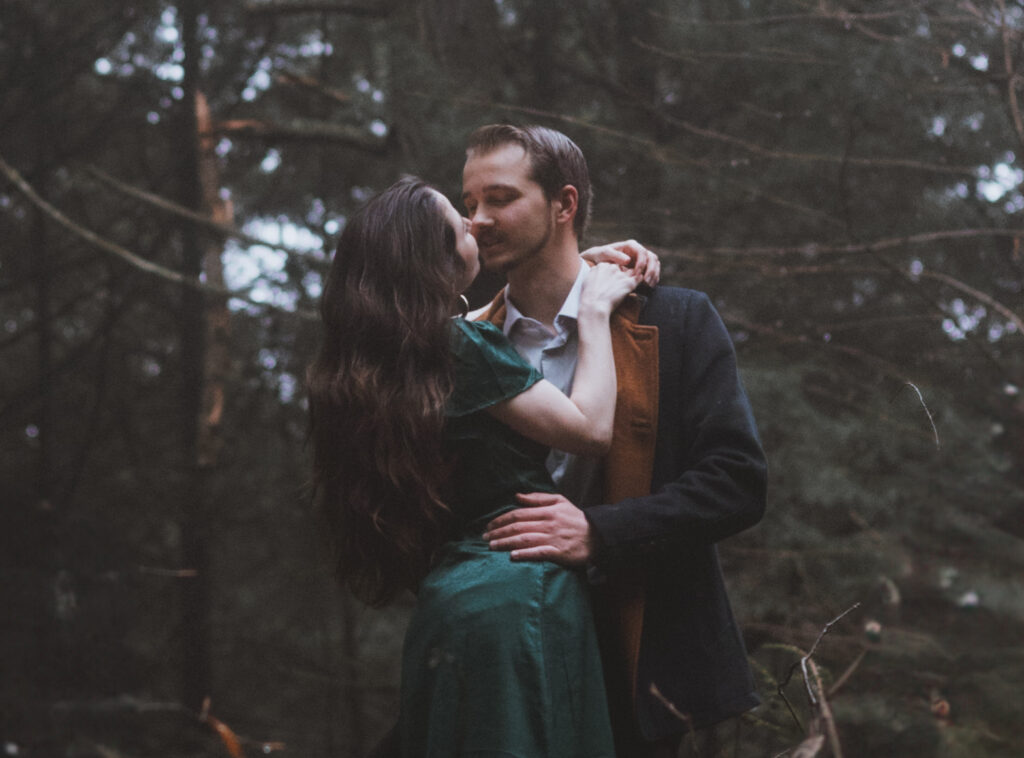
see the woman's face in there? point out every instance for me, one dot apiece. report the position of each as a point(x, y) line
point(465, 243)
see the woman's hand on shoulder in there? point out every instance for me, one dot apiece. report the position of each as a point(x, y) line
point(628, 254)
point(606, 285)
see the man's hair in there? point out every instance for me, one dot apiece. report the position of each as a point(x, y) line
point(555, 161)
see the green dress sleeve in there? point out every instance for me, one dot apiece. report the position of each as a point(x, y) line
point(487, 368)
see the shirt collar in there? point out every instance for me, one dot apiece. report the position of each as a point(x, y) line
point(567, 314)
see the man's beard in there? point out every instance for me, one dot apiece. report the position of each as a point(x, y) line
point(509, 262)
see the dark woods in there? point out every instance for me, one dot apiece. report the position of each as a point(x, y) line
point(844, 180)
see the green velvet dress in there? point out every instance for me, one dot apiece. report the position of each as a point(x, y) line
point(501, 658)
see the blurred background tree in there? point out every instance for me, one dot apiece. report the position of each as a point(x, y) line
point(842, 177)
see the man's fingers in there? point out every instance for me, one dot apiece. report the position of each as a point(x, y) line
point(532, 513)
point(520, 541)
point(514, 530)
point(539, 553)
point(534, 499)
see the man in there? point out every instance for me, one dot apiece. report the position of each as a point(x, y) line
point(686, 467)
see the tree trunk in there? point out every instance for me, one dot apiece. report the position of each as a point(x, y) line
point(195, 612)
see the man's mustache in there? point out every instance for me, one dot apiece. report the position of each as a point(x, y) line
point(488, 238)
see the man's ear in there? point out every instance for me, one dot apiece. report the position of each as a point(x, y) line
point(568, 204)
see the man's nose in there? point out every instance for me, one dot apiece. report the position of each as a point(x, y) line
point(479, 218)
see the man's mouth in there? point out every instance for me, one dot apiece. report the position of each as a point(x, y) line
point(487, 240)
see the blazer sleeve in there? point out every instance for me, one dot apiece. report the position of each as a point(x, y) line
point(710, 473)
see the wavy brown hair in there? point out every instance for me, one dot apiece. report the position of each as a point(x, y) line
point(377, 390)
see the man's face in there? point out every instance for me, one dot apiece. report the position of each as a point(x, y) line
point(512, 220)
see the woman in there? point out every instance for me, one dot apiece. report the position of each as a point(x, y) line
point(424, 428)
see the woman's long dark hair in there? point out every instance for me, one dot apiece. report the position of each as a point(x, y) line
point(377, 390)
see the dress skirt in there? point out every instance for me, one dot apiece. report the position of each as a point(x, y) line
point(501, 659)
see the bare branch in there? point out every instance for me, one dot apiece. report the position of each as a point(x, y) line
point(815, 249)
point(281, 7)
point(1013, 79)
point(978, 295)
point(302, 130)
point(766, 152)
point(825, 710)
point(659, 152)
point(839, 16)
point(172, 573)
point(312, 83)
point(205, 222)
point(880, 364)
point(134, 260)
point(765, 54)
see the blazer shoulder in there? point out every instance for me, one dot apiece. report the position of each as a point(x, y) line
point(674, 304)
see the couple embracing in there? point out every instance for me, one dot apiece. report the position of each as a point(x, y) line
point(549, 475)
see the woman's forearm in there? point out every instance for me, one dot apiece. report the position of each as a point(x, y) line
point(594, 387)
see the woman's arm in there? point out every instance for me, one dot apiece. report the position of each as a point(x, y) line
point(582, 422)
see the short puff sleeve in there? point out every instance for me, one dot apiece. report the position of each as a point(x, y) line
point(487, 368)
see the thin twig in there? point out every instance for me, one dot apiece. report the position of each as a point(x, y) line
point(931, 419)
point(828, 628)
point(847, 674)
point(802, 665)
point(684, 717)
point(825, 711)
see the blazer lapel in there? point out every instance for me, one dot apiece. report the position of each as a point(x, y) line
point(630, 463)
point(627, 473)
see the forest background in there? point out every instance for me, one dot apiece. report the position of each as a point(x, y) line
point(843, 177)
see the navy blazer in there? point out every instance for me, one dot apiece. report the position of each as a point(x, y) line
point(708, 481)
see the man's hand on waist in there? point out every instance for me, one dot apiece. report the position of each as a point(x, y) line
point(546, 528)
